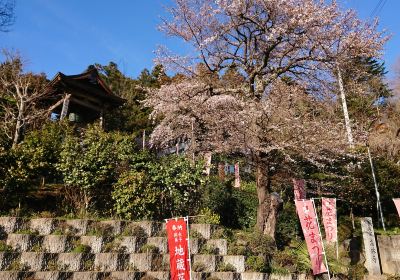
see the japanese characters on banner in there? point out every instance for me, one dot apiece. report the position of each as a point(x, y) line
point(299, 189)
point(397, 203)
point(237, 176)
point(178, 249)
point(309, 225)
point(329, 219)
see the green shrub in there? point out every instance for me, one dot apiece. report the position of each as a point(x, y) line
point(256, 264)
point(226, 267)
point(288, 226)
point(80, 248)
point(134, 230)
point(149, 248)
point(89, 165)
point(236, 207)
point(133, 197)
point(162, 188)
point(4, 247)
point(206, 216)
point(208, 250)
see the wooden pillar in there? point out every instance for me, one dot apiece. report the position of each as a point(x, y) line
point(64, 111)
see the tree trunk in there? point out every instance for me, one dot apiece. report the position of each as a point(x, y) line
point(268, 203)
point(19, 125)
point(345, 111)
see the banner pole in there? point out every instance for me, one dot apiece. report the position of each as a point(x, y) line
point(378, 200)
point(188, 242)
point(337, 232)
point(322, 241)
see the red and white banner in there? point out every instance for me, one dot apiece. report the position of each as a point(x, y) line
point(178, 249)
point(329, 219)
point(397, 203)
point(299, 189)
point(306, 211)
point(237, 176)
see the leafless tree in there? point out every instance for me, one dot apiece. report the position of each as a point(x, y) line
point(20, 95)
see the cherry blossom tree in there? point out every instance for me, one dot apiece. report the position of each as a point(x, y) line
point(286, 54)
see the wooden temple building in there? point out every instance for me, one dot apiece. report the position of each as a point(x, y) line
point(82, 98)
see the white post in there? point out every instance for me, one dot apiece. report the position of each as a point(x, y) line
point(345, 111)
point(322, 242)
point(144, 139)
point(188, 243)
point(337, 232)
point(378, 200)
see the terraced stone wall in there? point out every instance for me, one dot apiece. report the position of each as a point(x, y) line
point(57, 249)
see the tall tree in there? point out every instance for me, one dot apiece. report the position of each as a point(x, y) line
point(286, 51)
point(133, 117)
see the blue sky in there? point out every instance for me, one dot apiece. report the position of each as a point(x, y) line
point(67, 36)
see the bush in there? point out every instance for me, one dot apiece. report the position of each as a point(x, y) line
point(89, 165)
point(159, 189)
point(206, 216)
point(256, 264)
point(236, 208)
point(288, 226)
point(133, 197)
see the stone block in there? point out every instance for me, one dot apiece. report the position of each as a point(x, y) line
point(160, 242)
point(49, 275)
point(87, 275)
point(372, 262)
point(43, 226)
point(195, 245)
point(129, 244)
point(160, 275)
point(10, 224)
point(280, 277)
point(236, 261)
point(94, 242)
point(115, 226)
point(56, 243)
point(70, 261)
point(226, 275)
point(220, 244)
point(375, 277)
point(108, 262)
point(199, 275)
point(10, 275)
point(303, 276)
point(22, 242)
point(33, 261)
point(77, 226)
point(389, 248)
point(126, 275)
point(150, 228)
point(254, 276)
point(6, 259)
point(210, 262)
point(206, 230)
point(140, 262)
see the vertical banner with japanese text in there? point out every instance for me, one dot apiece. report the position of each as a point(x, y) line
point(397, 203)
point(299, 189)
point(329, 219)
point(178, 249)
point(306, 211)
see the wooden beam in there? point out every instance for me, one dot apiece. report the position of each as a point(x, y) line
point(86, 104)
